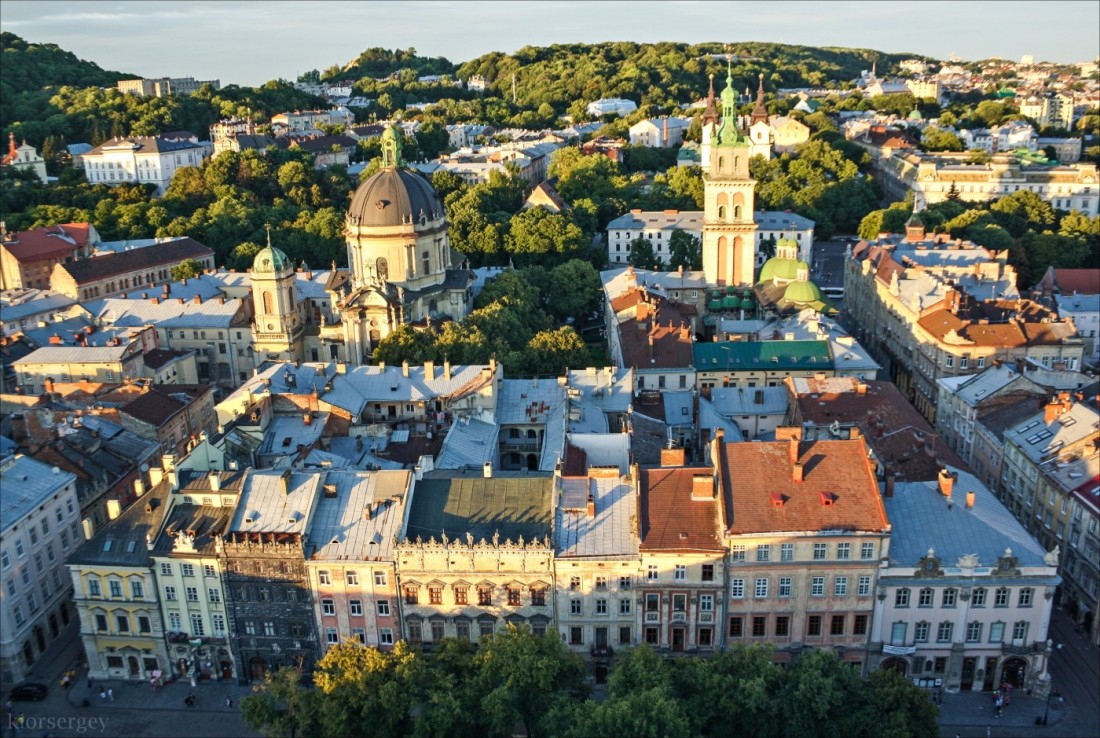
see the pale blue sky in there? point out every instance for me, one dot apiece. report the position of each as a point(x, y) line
point(250, 42)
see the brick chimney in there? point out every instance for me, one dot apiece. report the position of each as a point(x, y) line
point(429, 370)
point(47, 385)
point(1052, 411)
point(590, 506)
point(198, 299)
point(702, 487)
point(888, 486)
point(792, 449)
point(673, 457)
point(796, 471)
point(970, 496)
point(947, 481)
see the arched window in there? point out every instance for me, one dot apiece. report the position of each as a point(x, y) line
point(737, 212)
point(721, 212)
point(721, 162)
point(269, 302)
point(427, 259)
point(736, 163)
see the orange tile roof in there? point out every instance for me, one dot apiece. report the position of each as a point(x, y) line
point(47, 242)
point(1081, 281)
point(834, 471)
point(670, 520)
point(657, 334)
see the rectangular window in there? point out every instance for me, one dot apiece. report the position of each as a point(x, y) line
point(759, 626)
point(943, 632)
point(625, 582)
point(651, 572)
point(820, 551)
point(708, 572)
point(116, 587)
point(625, 637)
point(437, 631)
point(383, 608)
point(328, 607)
point(737, 553)
point(950, 595)
point(866, 551)
point(576, 636)
point(462, 595)
point(412, 595)
point(859, 627)
point(736, 629)
point(624, 606)
point(897, 634)
point(513, 596)
point(817, 586)
point(782, 626)
point(786, 552)
point(538, 597)
point(1019, 630)
point(269, 628)
point(188, 570)
point(100, 620)
point(352, 578)
point(901, 598)
point(836, 627)
point(763, 552)
point(680, 573)
point(170, 594)
point(574, 582)
point(996, 632)
point(196, 625)
point(601, 607)
point(679, 602)
point(978, 598)
point(484, 597)
point(1026, 594)
point(864, 586)
point(1000, 597)
point(355, 607)
point(924, 599)
point(920, 632)
point(706, 603)
point(784, 586)
point(208, 570)
point(601, 583)
point(974, 632)
point(813, 625)
point(192, 594)
point(652, 602)
point(324, 577)
point(840, 587)
point(761, 588)
point(435, 595)
point(843, 551)
point(737, 589)
point(575, 607)
point(462, 630)
point(379, 579)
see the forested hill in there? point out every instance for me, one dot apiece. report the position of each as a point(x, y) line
point(30, 67)
point(664, 75)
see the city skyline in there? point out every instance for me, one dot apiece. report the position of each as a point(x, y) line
point(463, 31)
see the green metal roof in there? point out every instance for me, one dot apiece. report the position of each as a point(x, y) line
point(761, 355)
point(730, 302)
point(509, 505)
point(715, 304)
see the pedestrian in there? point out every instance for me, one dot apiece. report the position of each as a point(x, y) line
point(229, 702)
point(111, 695)
point(102, 694)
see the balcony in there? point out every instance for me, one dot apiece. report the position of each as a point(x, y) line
point(604, 651)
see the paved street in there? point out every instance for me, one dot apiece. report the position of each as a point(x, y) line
point(135, 711)
point(828, 263)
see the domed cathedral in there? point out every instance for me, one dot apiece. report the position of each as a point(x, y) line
point(785, 287)
point(403, 269)
point(729, 232)
point(277, 327)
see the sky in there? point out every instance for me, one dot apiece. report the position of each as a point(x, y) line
point(247, 42)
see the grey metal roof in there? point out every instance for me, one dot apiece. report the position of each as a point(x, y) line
point(169, 313)
point(285, 432)
point(123, 541)
point(735, 401)
point(679, 407)
point(364, 384)
point(528, 401)
point(712, 420)
point(26, 484)
point(358, 513)
point(75, 355)
point(43, 302)
point(276, 502)
point(469, 442)
point(922, 519)
point(1037, 438)
point(972, 388)
point(511, 505)
point(604, 449)
point(610, 388)
point(610, 532)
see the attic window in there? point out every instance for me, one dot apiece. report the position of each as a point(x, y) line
point(107, 544)
point(778, 499)
point(683, 536)
point(130, 546)
point(827, 499)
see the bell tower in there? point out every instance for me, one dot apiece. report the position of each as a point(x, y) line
point(729, 231)
point(276, 330)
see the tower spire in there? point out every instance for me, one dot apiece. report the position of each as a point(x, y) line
point(759, 112)
point(267, 227)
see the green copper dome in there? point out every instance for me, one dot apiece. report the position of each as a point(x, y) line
point(802, 293)
point(270, 259)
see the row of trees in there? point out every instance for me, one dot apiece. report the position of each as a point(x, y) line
point(1029, 228)
point(514, 320)
point(518, 683)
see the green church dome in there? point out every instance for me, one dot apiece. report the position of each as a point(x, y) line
point(802, 293)
point(782, 269)
point(270, 259)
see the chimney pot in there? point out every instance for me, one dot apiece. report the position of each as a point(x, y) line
point(947, 482)
point(797, 472)
point(970, 496)
point(590, 507)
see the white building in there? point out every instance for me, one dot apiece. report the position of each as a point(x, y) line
point(40, 525)
point(616, 105)
point(1084, 311)
point(965, 596)
point(659, 133)
point(25, 157)
point(140, 160)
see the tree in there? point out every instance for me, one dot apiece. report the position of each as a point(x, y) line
point(552, 352)
point(685, 250)
point(642, 254)
point(281, 708)
point(575, 289)
point(937, 139)
point(186, 269)
point(405, 344)
point(538, 236)
point(1027, 205)
point(367, 687)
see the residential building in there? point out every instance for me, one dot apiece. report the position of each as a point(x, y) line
point(23, 309)
point(596, 563)
point(24, 158)
point(40, 526)
point(756, 412)
point(188, 568)
point(1081, 564)
point(351, 570)
point(326, 151)
point(67, 364)
point(611, 106)
point(475, 555)
point(680, 592)
point(751, 364)
point(116, 596)
point(139, 270)
point(659, 133)
point(1062, 431)
point(168, 366)
point(28, 258)
point(946, 310)
point(140, 160)
point(268, 597)
point(172, 416)
point(653, 336)
point(165, 86)
point(805, 529)
point(965, 594)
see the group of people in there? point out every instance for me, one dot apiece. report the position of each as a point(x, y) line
point(1002, 698)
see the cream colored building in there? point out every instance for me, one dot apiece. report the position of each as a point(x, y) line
point(140, 160)
point(108, 364)
point(597, 563)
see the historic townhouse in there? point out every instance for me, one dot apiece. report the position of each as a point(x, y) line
point(805, 529)
point(115, 593)
point(268, 599)
point(475, 555)
point(1079, 481)
point(133, 271)
point(50, 364)
point(680, 592)
point(187, 566)
point(596, 562)
point(140, 160)
point(27, 258)
point(965, 595)
point(173, 416)
point(40, 526)
point(350, 565)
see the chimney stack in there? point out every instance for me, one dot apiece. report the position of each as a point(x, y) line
point(114, 509)
point(139, 487)
point(702, 487)
point(47, 385)
point(970, 496)
point(792, 449)
point(947, 482)
point(672, 457)
point(429, 370)
point(404, 368)
point(796, 472)
point(447, 369)
point(590, 507)
point(1052, 411)
point(888, 490)
point(487, 470)
point(215, 481)
point(198, 299)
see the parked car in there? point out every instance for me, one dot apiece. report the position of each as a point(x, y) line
point(32, 691)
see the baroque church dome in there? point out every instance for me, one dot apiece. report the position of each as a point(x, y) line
point(785, 265)
point(270, 259)
point(394, 196)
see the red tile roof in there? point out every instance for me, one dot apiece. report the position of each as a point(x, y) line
point(49, 242)
point(1081, 281)
point(670, 520)
point(656, 332)
point(838, 490)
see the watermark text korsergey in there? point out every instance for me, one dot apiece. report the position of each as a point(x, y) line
point(79, 724)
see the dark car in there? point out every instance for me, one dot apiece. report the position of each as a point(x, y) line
point(33, 691)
